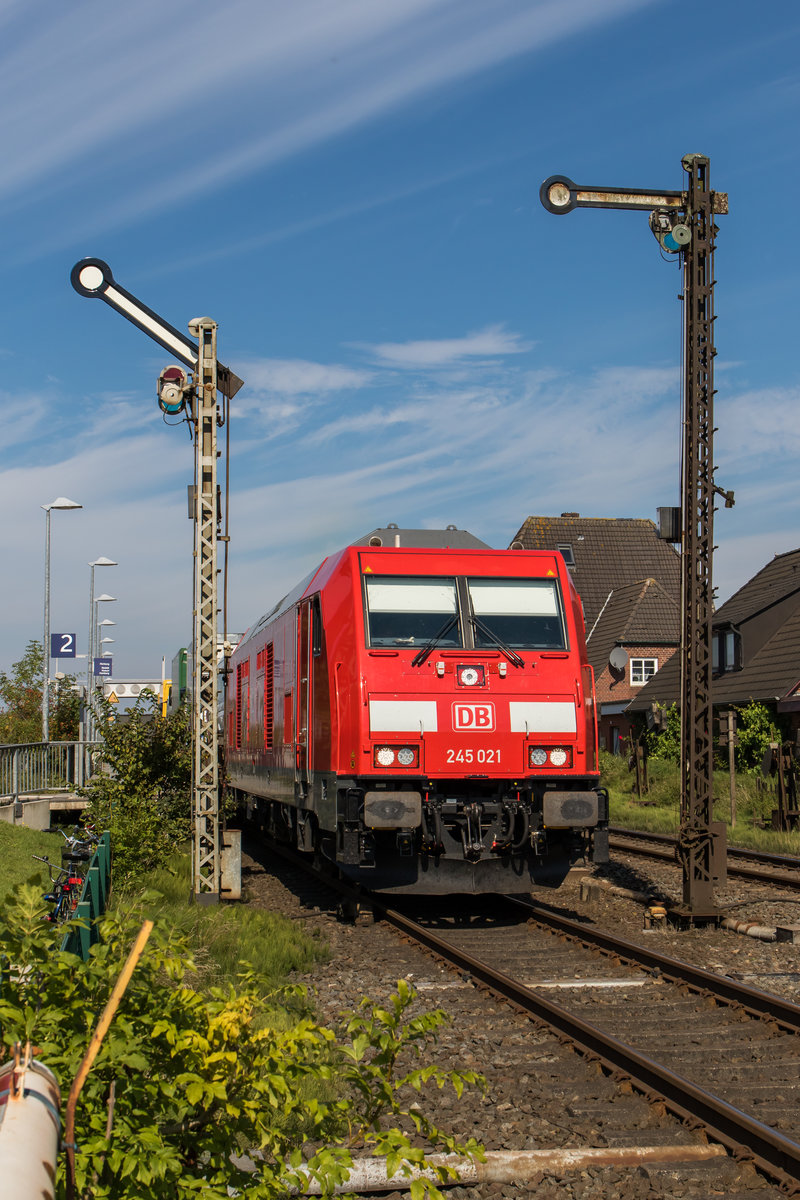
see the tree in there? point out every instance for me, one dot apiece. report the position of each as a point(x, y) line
point(142, 794)
point(65, 709)
point(21, 695)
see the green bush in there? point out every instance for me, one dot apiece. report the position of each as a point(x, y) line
point(666, 744)
point(142, 790)
point(755, 728)
point(186, 1079)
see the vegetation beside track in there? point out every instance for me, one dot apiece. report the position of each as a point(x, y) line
point(17, 847)
point(191, 1071)
point(659, 810)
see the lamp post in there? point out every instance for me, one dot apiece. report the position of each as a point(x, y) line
point(102, 627)
point(98, 562)
point(59, 502)
point(97, 647)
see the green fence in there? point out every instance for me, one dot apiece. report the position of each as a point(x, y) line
point(93, 901)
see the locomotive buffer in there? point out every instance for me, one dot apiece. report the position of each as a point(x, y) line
point(197, 394)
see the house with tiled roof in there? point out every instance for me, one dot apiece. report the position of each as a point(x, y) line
point(756, 646)
point(629, 582)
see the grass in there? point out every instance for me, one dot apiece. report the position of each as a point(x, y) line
point(225, 935)
point(659, 810)
point(221, 936)
point(17, 846)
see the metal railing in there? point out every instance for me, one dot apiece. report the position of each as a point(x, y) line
point(35, 767)
point(93, 901)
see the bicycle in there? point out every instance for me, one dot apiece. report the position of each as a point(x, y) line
point(79, 846)
point(64, 894)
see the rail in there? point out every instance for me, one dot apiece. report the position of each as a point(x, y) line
point(93, 900)
point(31, 768)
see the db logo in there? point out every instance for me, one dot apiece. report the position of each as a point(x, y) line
point(473, 716)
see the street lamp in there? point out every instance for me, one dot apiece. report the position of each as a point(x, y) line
point(59, 502)
point(101, 627)
point(98, 562)
point(97, 647)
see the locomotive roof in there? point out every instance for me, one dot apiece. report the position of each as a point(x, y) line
point(437, 539)
point(427, 539)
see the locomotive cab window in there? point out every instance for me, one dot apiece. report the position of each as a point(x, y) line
point(525, 614)
point(409, 611)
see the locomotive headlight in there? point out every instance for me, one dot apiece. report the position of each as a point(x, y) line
point(401, 756)
point(553, 756)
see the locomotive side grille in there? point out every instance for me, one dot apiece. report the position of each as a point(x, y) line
point(269, 698)
point(242, 697)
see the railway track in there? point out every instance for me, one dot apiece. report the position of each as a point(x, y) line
point(781, 870)
point(714, 1051)
point(718, 1054)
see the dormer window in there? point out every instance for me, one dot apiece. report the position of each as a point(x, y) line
point(642, 669)
point(565, 550)
point(726, 651)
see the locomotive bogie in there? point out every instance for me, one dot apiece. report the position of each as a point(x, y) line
point(424, 719)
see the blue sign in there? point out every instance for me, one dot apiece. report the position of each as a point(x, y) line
point(62, 645)
point(102, 667)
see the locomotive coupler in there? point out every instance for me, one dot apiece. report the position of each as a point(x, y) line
point(503, 828)
point(432, 840)
point(471, 831)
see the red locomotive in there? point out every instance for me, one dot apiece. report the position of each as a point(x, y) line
point(423, 717)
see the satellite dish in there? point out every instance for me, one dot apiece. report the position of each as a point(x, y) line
point(618, 659)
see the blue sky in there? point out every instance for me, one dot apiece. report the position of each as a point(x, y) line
point(350, 188)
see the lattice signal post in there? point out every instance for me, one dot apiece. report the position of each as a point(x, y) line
point(196, 394)
point(683, 223)
point(207, 855)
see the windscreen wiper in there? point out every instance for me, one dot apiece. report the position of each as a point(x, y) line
point(510, 654)
point(421, 655)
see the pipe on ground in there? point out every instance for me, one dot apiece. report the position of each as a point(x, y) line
point(512, 1166)
point(30, 1127)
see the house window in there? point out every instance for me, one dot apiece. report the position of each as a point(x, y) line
point(642, 669)
point(726, 651)
point(565, 550)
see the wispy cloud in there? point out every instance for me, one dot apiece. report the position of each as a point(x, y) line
point(758, 422)
point(295, 75)
point(293, 377)
point(485, 343)
point(481, 453)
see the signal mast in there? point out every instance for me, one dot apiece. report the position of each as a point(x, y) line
point(683, 223)
point(195, 393)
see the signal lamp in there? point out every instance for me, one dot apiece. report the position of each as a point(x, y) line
point(671, 234)
point(173, 385)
